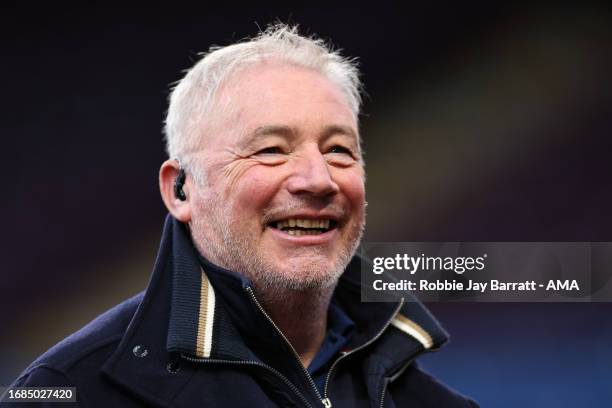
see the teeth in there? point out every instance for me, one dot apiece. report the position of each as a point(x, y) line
point(303, 223)
point(299, 233)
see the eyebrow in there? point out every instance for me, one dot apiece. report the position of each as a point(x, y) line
point(291, 133)
point(339, 130)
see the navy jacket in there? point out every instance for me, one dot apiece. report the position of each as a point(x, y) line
point(198, 339)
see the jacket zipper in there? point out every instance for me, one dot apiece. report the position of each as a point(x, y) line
point(382, 395)
point(284, 379)
point(389, 380)
point(366, 344)
point(326, 402)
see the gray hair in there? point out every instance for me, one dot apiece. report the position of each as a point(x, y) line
point(193, 96)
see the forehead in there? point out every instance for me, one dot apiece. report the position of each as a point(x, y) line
point(281, 94)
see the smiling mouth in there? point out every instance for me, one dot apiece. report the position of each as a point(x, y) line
point(301, 226)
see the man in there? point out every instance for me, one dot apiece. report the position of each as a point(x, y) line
point(255, 296)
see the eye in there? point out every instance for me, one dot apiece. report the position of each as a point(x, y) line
point(341, 150)
point(271, 156)
point(339, 155)
point(270, 150)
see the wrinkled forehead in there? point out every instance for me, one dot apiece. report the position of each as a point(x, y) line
point(279, 94)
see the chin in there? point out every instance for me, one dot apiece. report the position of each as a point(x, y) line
point(309, 274)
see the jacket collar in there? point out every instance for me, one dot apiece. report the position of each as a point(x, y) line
point(204, 294)
point(204, 303)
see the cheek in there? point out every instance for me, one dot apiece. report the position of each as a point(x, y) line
point(352, 185)
point(244, 184)
point(254, 191)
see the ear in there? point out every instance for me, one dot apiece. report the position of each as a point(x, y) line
point(181, 210)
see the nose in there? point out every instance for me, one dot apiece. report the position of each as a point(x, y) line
point(311, 175)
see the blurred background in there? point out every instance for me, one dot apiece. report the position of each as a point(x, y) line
point(484, 122)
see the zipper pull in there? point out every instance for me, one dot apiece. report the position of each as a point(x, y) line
point(326, 402)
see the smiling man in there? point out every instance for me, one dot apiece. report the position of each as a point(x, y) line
point(255, 295)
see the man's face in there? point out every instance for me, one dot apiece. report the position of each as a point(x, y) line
point(283, 201)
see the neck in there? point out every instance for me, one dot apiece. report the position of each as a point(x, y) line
point(301, 316)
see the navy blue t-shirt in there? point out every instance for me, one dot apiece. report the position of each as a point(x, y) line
point(339, 330)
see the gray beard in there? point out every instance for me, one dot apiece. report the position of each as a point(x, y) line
point(220, 244)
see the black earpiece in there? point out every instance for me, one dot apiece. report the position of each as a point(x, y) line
point(179, 182)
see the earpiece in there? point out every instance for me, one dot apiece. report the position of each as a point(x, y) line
point(179, 182)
